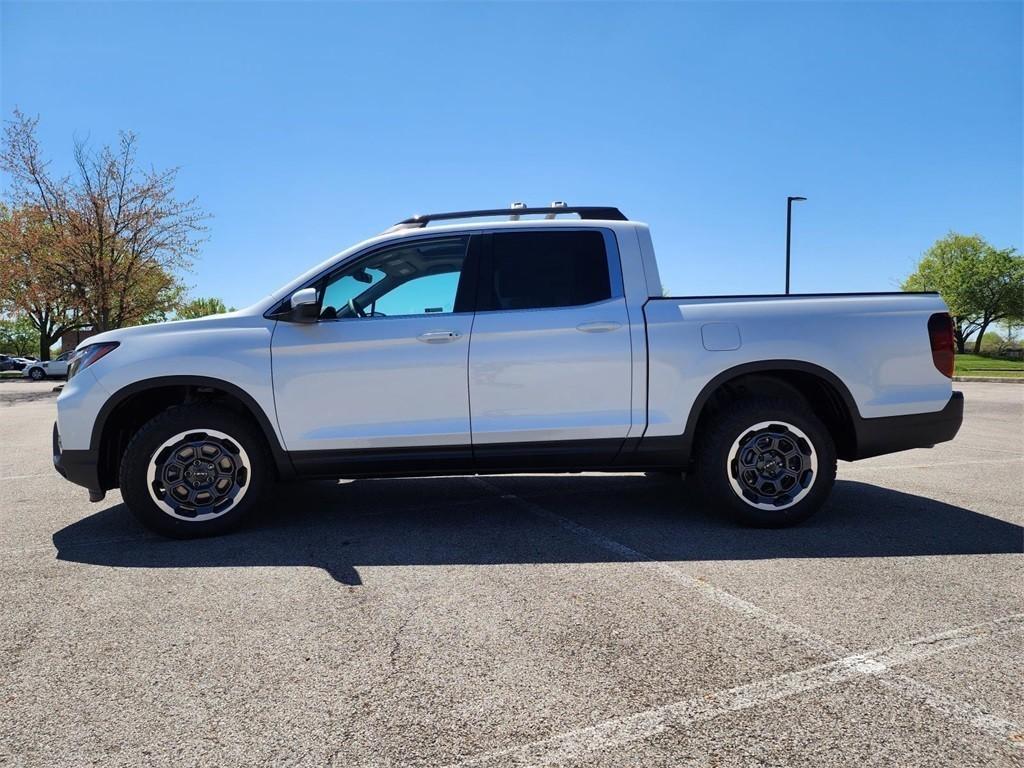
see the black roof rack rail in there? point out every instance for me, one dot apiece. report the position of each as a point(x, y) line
point(605, 213)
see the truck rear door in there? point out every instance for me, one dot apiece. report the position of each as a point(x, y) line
point(550, 355)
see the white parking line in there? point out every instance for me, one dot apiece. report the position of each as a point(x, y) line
point(1013, 451)
point(573, 745)
point(726, 599)
point(955, 709)
point(867, 465)
point(961, 711)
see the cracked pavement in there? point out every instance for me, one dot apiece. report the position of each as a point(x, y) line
point(535, 620)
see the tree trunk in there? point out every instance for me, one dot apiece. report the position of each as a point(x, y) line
point(977, 340)
point(45, 342)
point(961, 340)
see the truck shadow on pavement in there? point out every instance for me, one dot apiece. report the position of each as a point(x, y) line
point(341, 527)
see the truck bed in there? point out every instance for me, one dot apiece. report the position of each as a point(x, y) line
point(876, 344)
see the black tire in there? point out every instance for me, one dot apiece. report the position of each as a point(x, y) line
point(792, 494)
point(249, 485)
point(37, 374)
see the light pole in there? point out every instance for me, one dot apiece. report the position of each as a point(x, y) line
point(789, 229)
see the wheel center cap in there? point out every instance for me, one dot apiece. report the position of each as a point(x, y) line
point(769, 464)
point(200, 474)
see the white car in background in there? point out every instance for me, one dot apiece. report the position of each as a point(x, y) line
point(38, 370)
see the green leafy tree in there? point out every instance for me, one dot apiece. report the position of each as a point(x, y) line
point(202, 307)
point(992, 342)
point(980, 283)
point(18, 336)
point(33, 282)
point(171, 298)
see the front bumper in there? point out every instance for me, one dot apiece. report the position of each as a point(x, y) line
point(920, 430)
point(80, 467)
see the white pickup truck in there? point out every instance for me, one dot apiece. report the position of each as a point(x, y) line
point(496, 346)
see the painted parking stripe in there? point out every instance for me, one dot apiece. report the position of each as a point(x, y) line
point(726, 599)
point(576, 744)
point(867, 466)
point(961, 711)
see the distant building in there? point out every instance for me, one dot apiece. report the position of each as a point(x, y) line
point(71, 339)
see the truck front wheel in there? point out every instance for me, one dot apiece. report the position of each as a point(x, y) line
point(769, 462)
point(194, 470)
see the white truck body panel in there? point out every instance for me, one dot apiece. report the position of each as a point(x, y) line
point(233, 347)
point(886, 364)
point(354, 384)
point(548, 375)
point(632, 367)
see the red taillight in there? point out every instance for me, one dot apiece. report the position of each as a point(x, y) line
point(940, 333)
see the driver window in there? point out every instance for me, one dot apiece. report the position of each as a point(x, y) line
point(415, 278)
point(349, 286)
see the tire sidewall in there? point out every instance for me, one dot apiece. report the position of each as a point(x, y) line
point(732, 423)
point(145, 443)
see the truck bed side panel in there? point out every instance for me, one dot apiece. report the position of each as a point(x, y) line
point(877, 345)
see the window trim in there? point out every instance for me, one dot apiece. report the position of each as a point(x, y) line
point(611, 248)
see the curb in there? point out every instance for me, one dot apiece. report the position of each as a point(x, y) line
point(992, 379)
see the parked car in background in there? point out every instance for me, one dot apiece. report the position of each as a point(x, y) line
point(486, 347)
point(9, 363)
point(37, 371)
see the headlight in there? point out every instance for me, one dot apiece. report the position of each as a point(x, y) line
point(88, 355)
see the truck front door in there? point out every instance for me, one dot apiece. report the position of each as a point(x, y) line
point(380, 379)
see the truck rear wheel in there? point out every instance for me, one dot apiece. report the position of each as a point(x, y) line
point(194, 470)
point(768, 461)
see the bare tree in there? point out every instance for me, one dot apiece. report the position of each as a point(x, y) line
point(122, 235)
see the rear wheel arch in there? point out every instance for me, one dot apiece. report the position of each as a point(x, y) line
point(823, 391)
point(131, 407)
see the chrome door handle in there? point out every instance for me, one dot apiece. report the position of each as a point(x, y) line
point(599, 326)
point(438, 337)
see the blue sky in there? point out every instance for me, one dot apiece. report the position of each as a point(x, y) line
point(306, 127)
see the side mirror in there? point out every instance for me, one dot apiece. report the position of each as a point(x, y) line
point(303, 306)
point(303, 297)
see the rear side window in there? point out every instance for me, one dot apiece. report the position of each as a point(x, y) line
point(534, 270)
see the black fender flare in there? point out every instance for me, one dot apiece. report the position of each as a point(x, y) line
point(279, 454)
point(673, 450)
point(767, 366)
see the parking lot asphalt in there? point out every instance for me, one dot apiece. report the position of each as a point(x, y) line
point(536, 620)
